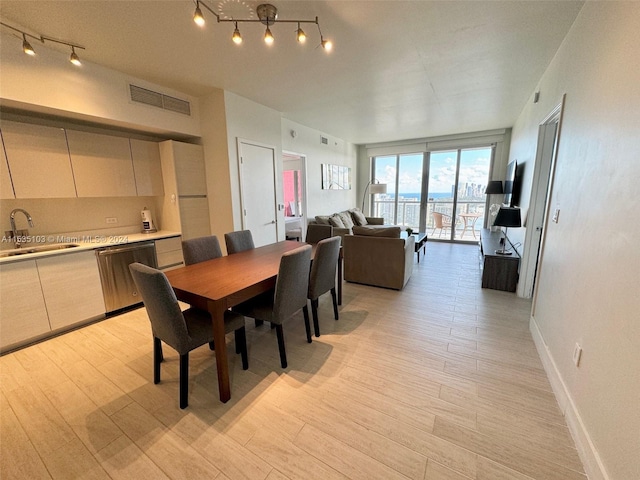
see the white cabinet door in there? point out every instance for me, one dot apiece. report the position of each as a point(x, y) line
point(23, 314)
point(39, 161)
point(190, 171)
point(102, 165)
point(71, 287)
point(147, 167)
point(6, 187)
point(169, 252)
point(194, 217)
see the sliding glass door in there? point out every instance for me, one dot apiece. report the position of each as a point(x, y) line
point(402, 174)
point(438, 192)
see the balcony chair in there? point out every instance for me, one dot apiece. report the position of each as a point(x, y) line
point(441, 221)
point(290, 296)
point(322, 278)
point(182, 331)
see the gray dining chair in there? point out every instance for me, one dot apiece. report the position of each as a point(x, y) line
point(322, 278)
point(238, 241)
point(201, 249)
point(182, 331)
point(289, 297)
point(317, 232)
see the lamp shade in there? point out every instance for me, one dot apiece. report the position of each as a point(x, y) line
point(508, 217)
point(494, 188)
point(378, 188)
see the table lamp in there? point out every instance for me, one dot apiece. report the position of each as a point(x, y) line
point(507, 217)
point(494, 188)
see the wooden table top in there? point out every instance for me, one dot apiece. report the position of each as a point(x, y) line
point(221, 278)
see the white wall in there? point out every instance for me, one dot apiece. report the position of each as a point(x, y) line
point(590, 272)
point(48, 83)
point(336, 152)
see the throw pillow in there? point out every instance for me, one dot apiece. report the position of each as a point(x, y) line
point(336, 221)
point(322, 219)
point(358, 217)
point(346, 219)
point(390, 232)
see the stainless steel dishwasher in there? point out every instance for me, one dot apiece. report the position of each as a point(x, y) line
point(118, 287)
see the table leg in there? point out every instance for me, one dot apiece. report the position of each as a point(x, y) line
point(340, 261)
point(216, 309)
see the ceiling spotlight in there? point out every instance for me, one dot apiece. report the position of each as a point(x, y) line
point(26, 46)
point(237, 38)
point(302, 37)
point(268, 38)
point(197, 16)
point(74, 57)
point(326, 44)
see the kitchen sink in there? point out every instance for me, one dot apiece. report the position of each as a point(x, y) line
point(43, 248)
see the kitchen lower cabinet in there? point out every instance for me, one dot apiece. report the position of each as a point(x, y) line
point(169, 253)
point(102, 165)
point(23, 315)
point(71, 287)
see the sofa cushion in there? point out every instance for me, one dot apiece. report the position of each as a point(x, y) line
point(322, 219)
point(390, 232)
point(346, 219)
point(358, 217)
point(336, 221)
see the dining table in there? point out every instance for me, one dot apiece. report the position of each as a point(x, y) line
point(219, 284)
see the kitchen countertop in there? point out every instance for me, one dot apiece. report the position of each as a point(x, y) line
point(83, 242)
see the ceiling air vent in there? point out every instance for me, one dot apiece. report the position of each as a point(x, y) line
point(159, 100)
point(324, 140)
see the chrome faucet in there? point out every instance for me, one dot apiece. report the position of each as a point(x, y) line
point(14, 230)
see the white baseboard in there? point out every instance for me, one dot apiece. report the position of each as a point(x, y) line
point(591, 461)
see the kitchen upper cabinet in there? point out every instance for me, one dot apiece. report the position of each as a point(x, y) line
point(71, 288)
point(147, 167)
point(102, 165)
point(23, 314)
point(185, 206)
point(38, 160)
point(190, 172)
point(6, 187)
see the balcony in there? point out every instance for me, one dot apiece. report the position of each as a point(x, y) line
point(469, 219)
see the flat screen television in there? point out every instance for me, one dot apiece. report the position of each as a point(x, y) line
point(512, 184)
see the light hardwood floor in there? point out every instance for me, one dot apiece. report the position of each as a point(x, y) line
point(439, 381)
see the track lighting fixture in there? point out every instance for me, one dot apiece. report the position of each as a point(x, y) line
point(74, 57)
point(267, 15)
point(197, 15)
point(268, 37)
point(302, 37)
point(26, 46)
point(28, 49)
point(237, 38)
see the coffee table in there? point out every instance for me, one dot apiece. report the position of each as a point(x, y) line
point(421, 243)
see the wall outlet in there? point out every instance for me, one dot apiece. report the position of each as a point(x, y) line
point(111, 220)
point(577, 354)
point(556, 215)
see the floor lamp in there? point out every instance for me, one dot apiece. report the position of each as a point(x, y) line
point(373, 187)
point(507, 217)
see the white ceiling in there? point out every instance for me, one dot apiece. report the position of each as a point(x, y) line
point(399, 69)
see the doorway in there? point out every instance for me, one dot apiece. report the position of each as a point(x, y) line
point(258, 191)
point(538, 214)
point(294, 194)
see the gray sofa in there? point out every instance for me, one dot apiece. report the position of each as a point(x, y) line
point(343, 222)
point(378, 256)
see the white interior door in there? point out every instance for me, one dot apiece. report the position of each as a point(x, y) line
point(258, 191)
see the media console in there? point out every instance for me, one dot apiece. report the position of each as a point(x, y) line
point(499, 272)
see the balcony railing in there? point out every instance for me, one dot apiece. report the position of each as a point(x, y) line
point(409, 216)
